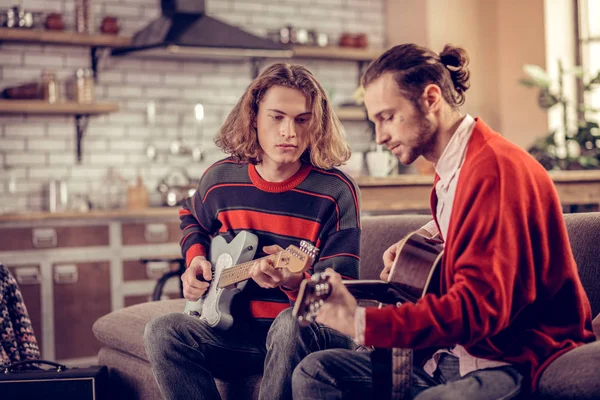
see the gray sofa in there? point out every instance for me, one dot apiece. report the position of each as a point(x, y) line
point(121, 331)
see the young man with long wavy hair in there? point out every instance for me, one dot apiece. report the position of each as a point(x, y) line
point(280, 183)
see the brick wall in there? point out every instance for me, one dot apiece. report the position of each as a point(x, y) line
point(40, 148)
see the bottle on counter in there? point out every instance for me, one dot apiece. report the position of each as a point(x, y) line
point(137, 195)
point(113, 192)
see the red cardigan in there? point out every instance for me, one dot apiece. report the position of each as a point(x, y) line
point(509, 282)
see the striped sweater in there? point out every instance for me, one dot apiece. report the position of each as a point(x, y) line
point(319, 206)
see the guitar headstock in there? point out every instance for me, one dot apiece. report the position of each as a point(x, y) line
point(311, 295)
point(297, 259)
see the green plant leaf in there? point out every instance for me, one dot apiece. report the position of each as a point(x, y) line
point(586, 108)
point(529, 82)
point(547, 99)
point(538, 74)
point(576, 71)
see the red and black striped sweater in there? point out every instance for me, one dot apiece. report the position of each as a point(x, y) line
point(320, 206)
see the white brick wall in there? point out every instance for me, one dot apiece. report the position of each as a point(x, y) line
point(40, 148)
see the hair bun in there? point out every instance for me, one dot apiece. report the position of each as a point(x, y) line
point(456, 60)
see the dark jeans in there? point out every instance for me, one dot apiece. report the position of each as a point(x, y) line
point(186, 355)
point(573, 375)
point(336, 374)
point(287, 345)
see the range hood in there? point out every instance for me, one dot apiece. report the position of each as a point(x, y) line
point(185, 31)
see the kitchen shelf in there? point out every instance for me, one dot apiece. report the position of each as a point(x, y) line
point(336, 53)
point(62, 38)
point(351, 113)
point(95, 42)
point(81, 112)
point(66, 108)
point(256, 57)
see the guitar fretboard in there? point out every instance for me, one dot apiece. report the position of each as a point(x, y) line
point(241, 272)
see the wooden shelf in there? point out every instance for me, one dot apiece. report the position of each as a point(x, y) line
point(62, 38)
point(336, 53)
point(43, 107)
point(81, 112)
point(351, 113)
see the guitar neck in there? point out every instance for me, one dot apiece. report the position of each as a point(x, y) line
point(241, 272)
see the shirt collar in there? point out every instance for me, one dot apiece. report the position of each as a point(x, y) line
point(454, 153)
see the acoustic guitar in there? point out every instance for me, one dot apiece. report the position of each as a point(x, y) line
point(415, 272)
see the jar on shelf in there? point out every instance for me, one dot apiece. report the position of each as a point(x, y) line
point(81, 87)
point(109, 25)
point(83, 16)
point(49, 86)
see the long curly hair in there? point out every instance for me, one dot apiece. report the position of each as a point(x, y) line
point(327, 145)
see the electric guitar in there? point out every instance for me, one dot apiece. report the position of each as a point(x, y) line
point(231, 263)
point(415, 272)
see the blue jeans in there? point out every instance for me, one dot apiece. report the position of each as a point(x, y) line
point(186, 355)
point(573, 375)
point(337, 374)
point(287, 345)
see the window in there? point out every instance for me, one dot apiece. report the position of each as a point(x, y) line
point(589, 44)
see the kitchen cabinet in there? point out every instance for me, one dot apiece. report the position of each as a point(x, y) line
point(73, 268)
point(81, 293)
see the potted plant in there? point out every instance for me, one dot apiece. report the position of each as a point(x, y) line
point(571, 146)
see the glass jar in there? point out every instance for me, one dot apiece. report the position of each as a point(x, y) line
point(84, 83)
point(49, 86)
point(83, 16)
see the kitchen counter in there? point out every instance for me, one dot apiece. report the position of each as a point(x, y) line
point(406, 193)
point(397, 193)
point(117, 214)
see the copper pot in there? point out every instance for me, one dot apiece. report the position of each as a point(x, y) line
point(110, 25)
point(54, 22)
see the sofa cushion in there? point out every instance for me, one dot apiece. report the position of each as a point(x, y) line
point(124, 329)
point(583, 231)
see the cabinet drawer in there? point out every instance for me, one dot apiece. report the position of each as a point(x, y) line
point(29, 280)
point(81, 296)
point(150, 232)
point(136, 270)
point(53, 237)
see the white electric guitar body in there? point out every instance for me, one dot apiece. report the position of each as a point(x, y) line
point(231, 265)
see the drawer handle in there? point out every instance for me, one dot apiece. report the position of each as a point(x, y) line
point(44, 238)
point(27, 275)
point(156, 269)
point(66, 274)
point(156, 233)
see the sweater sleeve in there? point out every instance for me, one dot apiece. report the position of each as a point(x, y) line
point(197, 225)
point(339, 241)
point(478, 302)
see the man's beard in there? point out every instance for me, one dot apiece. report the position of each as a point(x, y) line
point(425, 141)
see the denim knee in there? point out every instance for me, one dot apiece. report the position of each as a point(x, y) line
point(282, 329)
point(160, 331)
point(310, 367)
